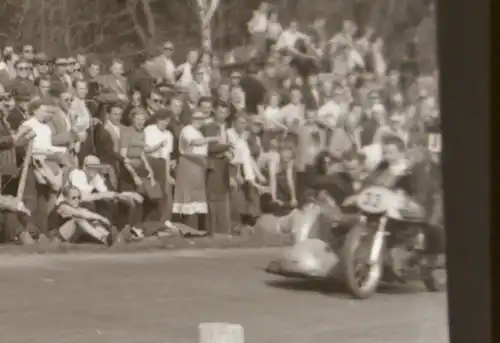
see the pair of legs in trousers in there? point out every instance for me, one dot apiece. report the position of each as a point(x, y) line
point(219, 214)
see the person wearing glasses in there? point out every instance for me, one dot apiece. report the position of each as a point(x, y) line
point(162, 68)
point(22, 79)
point(154, 103)
point(69, 220)
point(97, 196)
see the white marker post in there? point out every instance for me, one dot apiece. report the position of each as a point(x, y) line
point(220, 333)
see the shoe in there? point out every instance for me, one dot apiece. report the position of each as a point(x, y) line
point(25, 238)
point(43, 239)
point(139, 233)
point(113, 234)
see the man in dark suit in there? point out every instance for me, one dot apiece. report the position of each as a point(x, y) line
point(13, 224)
point(60, 79)
point(22, 81)
point(115, 82)
point(218, 173)
point(176, 123)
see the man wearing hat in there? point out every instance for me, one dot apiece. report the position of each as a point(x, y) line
point(98, 196)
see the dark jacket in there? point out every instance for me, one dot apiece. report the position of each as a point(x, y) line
point(218, 168)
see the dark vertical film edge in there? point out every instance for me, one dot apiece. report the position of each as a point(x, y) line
point(463, 37)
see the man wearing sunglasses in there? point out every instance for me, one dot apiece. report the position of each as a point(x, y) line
point(154, 103)
point(97, 195)
point(162, 68)
point(22, 79)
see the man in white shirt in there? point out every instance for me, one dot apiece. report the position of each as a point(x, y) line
point(47, 159)
point(97, 197)
point(331, 110)
point(246, 188)
point(289, 37)
point(159, 147)
point(41, 111)
point(257, 26)
point(293, 114)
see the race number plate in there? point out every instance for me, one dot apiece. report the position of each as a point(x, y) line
point(373, 200)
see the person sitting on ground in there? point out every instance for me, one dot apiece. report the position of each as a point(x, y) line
point(96, 195)
point(69, 220)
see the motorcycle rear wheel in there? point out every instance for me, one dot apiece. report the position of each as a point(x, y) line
point(356, 239)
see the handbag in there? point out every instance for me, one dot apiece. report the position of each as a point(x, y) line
point(151, 190)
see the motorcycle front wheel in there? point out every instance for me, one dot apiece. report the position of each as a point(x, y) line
point(362, 278)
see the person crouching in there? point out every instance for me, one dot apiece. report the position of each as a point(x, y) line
point(97, 196)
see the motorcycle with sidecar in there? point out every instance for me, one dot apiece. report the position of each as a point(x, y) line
point(379, 238)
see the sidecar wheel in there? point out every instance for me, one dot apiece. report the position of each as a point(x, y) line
point(362, 279)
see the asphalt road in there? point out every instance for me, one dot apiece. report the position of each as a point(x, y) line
point(162, 297)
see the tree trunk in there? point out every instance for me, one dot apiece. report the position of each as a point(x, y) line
point(206, 12)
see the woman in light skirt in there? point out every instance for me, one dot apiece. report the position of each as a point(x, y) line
point(190, 200)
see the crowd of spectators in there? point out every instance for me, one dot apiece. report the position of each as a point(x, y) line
point(205, 145)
